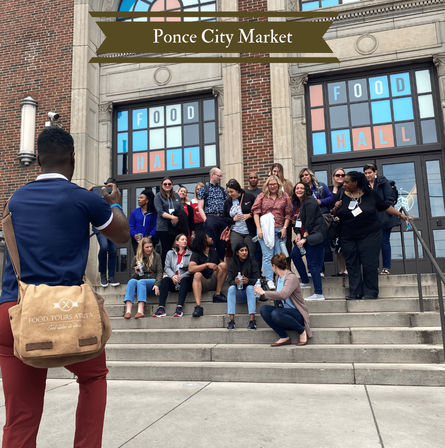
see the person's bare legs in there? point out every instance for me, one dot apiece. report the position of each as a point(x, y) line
point(198, 278)
point(221, 276)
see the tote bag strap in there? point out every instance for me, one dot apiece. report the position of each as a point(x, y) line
point(11, 243)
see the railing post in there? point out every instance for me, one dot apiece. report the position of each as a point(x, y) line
point(442, 316)
point(402, 242)
point(419, 275)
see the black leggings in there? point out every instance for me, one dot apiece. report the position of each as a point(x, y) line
point(167, 285)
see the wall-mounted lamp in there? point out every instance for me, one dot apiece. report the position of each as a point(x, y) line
point(27, 131)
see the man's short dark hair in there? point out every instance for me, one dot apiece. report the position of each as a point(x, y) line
point(370, 166)
point(54, 146)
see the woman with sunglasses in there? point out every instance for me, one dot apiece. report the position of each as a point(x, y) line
point(170, 210)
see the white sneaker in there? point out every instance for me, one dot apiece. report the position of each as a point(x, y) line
point(270, 285)
point(315, 297)
point(304, 285)
point(322, 274)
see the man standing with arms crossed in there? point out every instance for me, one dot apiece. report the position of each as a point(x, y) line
point(51, 218)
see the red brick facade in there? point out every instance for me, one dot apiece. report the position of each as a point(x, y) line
point(256, 108)
point(36, 58)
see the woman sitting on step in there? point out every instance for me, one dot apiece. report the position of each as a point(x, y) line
point(290, 311)
point(177, 277)
point(146, 278)
point(241, 290)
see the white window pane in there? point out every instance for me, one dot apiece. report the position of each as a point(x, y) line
point(173, 114)
point(439, 243)
point(156, 116)
point(423, 81)
point(426, 106)
point(156, 139)
point(210, 155)
point(174, 138)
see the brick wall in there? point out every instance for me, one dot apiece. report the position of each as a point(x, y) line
point(35, 60)
point(256, 108)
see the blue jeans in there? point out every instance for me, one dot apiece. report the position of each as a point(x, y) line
point(282, 319)
point(315, 259)
point(106, 248)
point(235, 295)
point(299, 265)
point(386, 248)
point(269, 253)
point(142, 286)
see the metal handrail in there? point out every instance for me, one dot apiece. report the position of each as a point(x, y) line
point(440, 277)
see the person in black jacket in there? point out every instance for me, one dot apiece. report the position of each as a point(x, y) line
point(381, 185)
point(244, 263)
point(188, 210)
point(238, 215)
point(311, 233)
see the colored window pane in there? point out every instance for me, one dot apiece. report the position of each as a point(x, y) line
point(210, 155)
point(405, 134)
point(423, 81)
point(360, 114)
point(173, 114)
point(426, 108)
point(361, 139)
point(381, 111)
point(127, 5)
point(319, 143)
point(378, 87)
point(209, 110)
point(400, 84)
point(174, 159)
point(338, 117)
point(341, 141)
point(157, 161)
point(435, 191)
point(174, 137)
point(209, 132)
point(140, 141)
point(140, 163)
point(122, 142)
point(140, 119)
point(307, 6)
point(191, 135)
point(337, 92)
point(122, 121)
point(383, 136)
point(191, 157)
point(326, 3)
point(190, 112)
point(157, 139)
point(317, 119)
point(358, 90)
point(429, 134)
point(403, 109)
point(316, 95)
point(156, 116)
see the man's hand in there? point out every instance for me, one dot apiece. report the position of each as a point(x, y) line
point(114, 197)
point(156, 290)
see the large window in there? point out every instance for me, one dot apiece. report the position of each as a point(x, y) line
point(388, 109)
point(169, 5)
point(168, 136)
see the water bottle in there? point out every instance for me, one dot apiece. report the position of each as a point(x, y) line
point(258, 283)
point(140, 268)
point(283, 247)
point(239, 285)
point(302, 251)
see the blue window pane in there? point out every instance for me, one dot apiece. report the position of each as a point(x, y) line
point(429, 134)
point(174, 159)
point(127, 5)
point(378, 87)
point(403, 109)
point(381, 111)
point(319, 143)
point(341, 140)
point(122, 142)
point(140, 6)
point(400, 85)
point(140, 119)
point(307, 6)
point(122, 121)
point(326, 3)
point(140, 141)
point(191, 157)
point(337, 92)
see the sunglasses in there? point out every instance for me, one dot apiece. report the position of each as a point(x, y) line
point(339, 175)
point(168, 184)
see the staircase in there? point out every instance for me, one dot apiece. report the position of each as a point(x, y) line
point(384, 341)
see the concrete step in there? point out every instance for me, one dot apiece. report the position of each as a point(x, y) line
point(325, 306)
point(287, 354)
point(310, 373)
point(370, 335)
point(328, 320)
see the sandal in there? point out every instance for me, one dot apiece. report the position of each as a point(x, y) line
point(384, 271)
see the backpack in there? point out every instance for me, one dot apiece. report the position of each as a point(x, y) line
point(394, 190)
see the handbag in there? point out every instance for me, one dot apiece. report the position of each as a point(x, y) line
point(54, 326)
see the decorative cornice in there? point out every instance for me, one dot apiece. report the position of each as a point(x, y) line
point(297, 83)
point(439, 59)
point(218, 92)
point(106, 107)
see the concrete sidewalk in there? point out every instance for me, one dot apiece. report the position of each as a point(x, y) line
point(143, 414)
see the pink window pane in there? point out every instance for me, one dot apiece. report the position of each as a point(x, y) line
point(361, 139)
point(165, 5)
point(383, 136)
point(317, 119)
point(316, 95)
